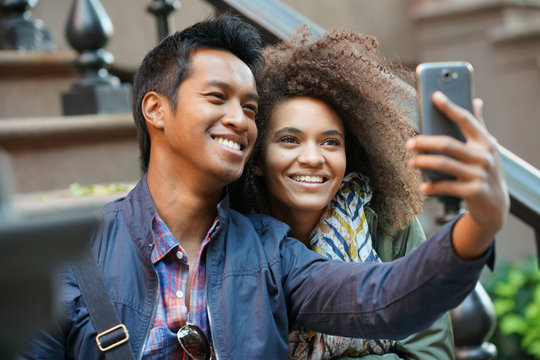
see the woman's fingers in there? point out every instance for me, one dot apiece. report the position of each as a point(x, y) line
point(450, 166)
point(470, 127)
point(461, 189)
point(467, 152)
point(478, 108)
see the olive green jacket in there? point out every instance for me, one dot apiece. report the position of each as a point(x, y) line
point(437, 341)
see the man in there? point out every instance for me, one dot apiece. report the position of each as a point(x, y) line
point(172, 252)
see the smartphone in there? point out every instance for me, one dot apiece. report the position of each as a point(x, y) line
point(454, 79)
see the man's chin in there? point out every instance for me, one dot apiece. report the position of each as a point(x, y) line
point(228, 176)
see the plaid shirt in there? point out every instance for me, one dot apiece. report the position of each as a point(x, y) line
point(171, 263)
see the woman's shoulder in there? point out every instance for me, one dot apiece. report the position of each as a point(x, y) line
point(391, 243)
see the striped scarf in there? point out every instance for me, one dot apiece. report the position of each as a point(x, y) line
point(342, 233)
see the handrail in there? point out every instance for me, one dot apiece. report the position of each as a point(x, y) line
point(523, 181)
point(275, 20)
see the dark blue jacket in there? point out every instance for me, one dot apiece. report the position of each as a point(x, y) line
point(260, 282)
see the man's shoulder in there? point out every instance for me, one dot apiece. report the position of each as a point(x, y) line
point(265, 226)
point(113, 206)
point(138, 197)
point(128, 216)
point(269, 226)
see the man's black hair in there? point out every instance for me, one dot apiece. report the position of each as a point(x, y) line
point(167, 65)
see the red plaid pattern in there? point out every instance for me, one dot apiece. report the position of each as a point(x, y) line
point(170, 261)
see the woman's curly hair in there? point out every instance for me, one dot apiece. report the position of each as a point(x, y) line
point(372, 96)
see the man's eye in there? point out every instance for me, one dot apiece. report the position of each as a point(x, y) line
point(252, 108)
point(217, 96)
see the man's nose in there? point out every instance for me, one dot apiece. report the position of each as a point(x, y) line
point(234, 117)
point(311, 155)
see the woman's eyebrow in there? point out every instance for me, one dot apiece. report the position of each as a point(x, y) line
point(332, 132)
point(288, 129)
point(291, 129)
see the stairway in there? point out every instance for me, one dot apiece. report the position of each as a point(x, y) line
point(49, 152)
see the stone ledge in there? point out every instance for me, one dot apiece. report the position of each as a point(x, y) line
point(63, 200)
point(50, 153)
point(31, 63)
point(510, 34)
point(15, 132)
point(437, 9)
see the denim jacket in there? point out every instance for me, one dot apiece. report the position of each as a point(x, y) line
point(259, 282)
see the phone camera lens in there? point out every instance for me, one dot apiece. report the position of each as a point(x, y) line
point(446, 74)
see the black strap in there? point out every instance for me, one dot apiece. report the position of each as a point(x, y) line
point(112, 338)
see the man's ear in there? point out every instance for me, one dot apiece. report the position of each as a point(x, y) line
point(154, 109)
point(259, 168)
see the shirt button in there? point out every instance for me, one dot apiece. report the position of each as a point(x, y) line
point(179, 294)
point(179, 255)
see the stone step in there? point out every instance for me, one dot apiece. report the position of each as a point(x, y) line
point(50, 153)
point(31, 83)
point(73, 198)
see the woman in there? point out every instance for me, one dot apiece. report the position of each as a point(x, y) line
point(331, 162)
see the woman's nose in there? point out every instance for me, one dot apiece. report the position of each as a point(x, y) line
point(311, 155)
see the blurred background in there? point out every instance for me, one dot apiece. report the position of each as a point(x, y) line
point(500, 38)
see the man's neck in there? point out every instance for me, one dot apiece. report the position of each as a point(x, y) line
point(188, 212)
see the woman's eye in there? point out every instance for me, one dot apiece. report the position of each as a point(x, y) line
point(288, 140)
point(332, 142)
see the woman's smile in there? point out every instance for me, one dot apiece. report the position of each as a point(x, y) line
point(303, 156)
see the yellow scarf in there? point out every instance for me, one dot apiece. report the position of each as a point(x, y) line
point(342, 233)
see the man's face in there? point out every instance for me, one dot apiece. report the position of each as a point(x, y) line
point(212, 133)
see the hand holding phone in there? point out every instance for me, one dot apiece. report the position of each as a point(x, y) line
point(475, 163)
point(454, 79)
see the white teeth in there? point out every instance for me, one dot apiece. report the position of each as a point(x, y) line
point(309, 179)
point(228, 143)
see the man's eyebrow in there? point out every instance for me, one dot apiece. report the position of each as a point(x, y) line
point(227, 86)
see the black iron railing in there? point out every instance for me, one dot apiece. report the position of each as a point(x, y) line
point(523, 182)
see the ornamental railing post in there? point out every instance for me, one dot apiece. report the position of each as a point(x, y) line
point(18, 31)
point(161, 9)
point(96, 91)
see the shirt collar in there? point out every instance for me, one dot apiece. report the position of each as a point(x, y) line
point(165, 241)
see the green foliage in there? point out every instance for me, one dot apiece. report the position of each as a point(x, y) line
point(515, 291)
point(97, 189)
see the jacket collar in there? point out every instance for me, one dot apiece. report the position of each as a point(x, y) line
point(140, 211)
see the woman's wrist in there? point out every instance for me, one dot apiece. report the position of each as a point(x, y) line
point(469, 239)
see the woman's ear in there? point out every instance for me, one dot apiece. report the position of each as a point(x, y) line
point(154, 109)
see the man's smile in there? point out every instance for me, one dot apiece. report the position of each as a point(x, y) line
point(228, 143)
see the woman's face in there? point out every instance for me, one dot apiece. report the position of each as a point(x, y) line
point(303, 156)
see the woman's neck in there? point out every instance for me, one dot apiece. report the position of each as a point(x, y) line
point(301, 222)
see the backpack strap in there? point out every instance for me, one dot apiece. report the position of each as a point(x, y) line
point(112, 338)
